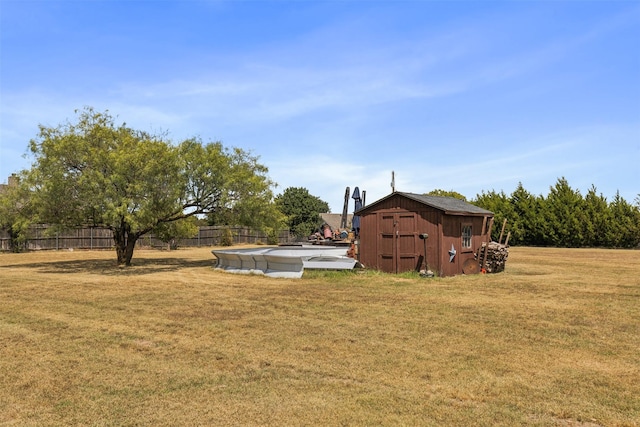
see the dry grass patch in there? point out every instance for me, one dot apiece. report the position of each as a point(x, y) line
point(554, 340)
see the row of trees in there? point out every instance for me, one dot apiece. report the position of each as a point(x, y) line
point(94, 172)
point(565, 218)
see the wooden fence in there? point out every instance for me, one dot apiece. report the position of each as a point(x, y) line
point(102, 238)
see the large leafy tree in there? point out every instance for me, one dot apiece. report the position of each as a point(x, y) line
point(94, 172)
point(447, 193)
point(251, 202)
point(301, 209)
point(15, 208)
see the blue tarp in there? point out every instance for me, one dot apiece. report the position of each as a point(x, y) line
point(355, 222)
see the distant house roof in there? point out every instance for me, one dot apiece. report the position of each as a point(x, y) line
point(334, 220)
point(449, 205)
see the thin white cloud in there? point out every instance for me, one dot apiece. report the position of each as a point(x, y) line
point(537, 162)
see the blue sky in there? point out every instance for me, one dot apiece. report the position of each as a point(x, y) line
point(454, 95)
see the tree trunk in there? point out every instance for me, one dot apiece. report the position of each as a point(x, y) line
point(14, 241)
point(125, 243)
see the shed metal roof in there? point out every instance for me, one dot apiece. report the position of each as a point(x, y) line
point(449, 205)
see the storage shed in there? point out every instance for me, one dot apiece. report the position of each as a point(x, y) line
point(391, 229)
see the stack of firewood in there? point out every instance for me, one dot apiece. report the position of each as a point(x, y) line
point(492, 258)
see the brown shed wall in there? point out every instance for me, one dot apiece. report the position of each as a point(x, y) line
point(452, 235)
point(389, 237)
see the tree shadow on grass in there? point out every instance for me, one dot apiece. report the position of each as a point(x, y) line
point(139, 266)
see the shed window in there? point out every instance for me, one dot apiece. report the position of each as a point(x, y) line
point(466, 236)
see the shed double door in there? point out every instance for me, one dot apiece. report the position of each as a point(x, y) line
point(397, 242)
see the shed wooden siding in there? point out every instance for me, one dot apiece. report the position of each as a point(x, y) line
point(412, 218)
point(389, 236)
point(452, 234)
point(404, 253)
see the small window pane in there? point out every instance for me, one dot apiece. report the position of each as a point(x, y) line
point(466, 236)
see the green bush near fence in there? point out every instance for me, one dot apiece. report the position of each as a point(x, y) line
point(226, 239)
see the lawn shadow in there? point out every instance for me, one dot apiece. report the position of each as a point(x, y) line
point(139, 266)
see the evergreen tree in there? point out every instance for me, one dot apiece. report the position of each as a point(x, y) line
point(564, 218)
point(624, 231)
point(527, 223)
point(499, 204)
point(597, 219)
